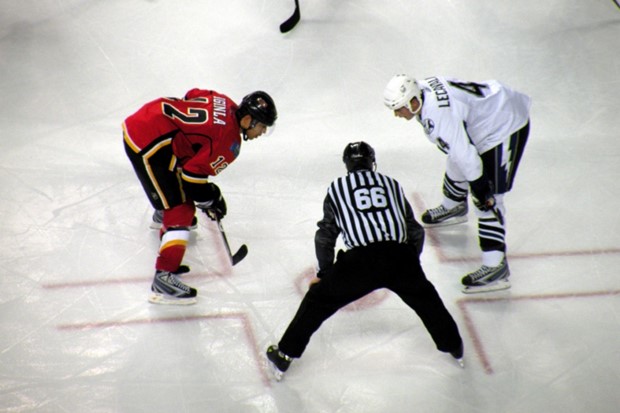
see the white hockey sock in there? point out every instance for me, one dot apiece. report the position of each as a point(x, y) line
point(450, 203)
point(492, 258)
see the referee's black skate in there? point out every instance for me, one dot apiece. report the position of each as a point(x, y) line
point(278, 361)
point(168, 289)
point(458, 356)
point(440, 216)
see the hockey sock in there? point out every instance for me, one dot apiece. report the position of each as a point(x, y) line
point(172, 249)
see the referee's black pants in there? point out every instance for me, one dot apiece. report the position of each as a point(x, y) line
point(357, 273)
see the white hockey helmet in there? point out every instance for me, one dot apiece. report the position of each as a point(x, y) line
point(399, 92)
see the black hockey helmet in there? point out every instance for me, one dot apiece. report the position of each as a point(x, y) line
point(259, 105)
point(358, 155)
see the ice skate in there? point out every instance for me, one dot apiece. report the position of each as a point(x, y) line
point(278, 361)
point(167, 289)
point(158, 219)
point(458, 356)
point(487, 279)
point(441, 216)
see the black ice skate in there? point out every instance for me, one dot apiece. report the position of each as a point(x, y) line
point(167, 289)
point(458, 356)
point(487, 279)
point(440, 216)
point(278, 361)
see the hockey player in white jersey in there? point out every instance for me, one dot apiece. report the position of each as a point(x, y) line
point(482, 127)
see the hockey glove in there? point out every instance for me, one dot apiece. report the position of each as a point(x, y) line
point(216, 207)
point(482, 193)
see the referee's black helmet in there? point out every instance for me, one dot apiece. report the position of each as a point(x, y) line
point(359, 156)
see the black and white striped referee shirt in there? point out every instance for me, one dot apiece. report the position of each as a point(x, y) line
point(365, 207)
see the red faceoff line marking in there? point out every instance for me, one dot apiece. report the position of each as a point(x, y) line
point(464, 303)
point(473, 332)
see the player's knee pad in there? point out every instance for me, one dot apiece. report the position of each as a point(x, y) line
point(179, 216)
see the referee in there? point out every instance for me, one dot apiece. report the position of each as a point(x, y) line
point(384, 242)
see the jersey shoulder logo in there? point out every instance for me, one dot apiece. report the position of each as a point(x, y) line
point(428, 125)
point(235, 148)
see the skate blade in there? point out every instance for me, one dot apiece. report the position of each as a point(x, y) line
point(155, 225)
point(447, 222)
point(275, 372)
point(157, 298)
point(494, 286)
point(461, 362)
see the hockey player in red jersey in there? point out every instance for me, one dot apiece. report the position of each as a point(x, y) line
point(175, 145)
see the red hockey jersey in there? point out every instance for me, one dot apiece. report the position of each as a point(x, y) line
point(201, 128)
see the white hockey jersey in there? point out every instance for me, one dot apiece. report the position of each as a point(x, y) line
point(465, 119)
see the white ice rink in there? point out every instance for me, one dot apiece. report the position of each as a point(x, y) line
point(77, 333)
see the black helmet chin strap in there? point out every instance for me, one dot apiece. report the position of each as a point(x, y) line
point(252, 125)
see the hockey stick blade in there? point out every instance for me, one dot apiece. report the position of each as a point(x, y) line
point(239, 255)
point(292, 21)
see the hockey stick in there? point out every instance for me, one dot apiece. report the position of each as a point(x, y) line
point(617, 3)
point(241, 252)
point(292, 21)
point(498, 215)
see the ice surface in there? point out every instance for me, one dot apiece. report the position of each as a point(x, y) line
point(78, 334)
